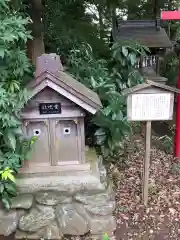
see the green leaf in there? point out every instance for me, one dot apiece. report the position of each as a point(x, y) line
point(33, 140)
point(16, 86)
point(2, 52)
point(10, 140)
point(133, 59)
point(114, 116)
point(93, 82)
point(7, 174)
point(99, 132)
point(6, 203)
point(1, 154)
point(119, 116)
point(100, 139)
point(106, 237)
point(3, 3)
point(11, 189)
point(107, 110)
point(11, 177)
point(18, 131)
point(1, 188)
point(3, 159)
point(125, 51)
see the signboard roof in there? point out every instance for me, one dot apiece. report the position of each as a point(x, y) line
point(149, 83)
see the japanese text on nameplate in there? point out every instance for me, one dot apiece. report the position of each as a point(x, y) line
point(50, 108)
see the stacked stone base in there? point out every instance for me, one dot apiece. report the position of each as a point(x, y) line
point(52, 214)
point(52, 210)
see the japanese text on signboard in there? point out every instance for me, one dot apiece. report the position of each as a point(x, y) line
point(146, 107)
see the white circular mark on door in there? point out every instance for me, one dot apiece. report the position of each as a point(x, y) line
point(36, 132)
point(66, 131)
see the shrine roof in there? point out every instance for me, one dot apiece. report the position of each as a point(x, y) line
point(150, 83)
point(146, 32)
point(52, 75)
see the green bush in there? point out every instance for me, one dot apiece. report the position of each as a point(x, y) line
point(170, 68)
point(108, 79)
point(14, 65)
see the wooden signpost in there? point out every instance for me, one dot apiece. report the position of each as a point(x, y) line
point(147, 102)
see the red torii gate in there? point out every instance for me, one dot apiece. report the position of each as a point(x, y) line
point(175, 15)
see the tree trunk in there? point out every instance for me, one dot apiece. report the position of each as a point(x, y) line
point(36, 46)
point(113, 15)
point(101, 25)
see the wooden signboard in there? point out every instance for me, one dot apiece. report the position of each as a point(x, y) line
point(150, 107)
point(150, 101)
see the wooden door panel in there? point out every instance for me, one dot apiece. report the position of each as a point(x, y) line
point(41, 150)
point(66, 142)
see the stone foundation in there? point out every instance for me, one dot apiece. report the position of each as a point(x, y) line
point(50, 207)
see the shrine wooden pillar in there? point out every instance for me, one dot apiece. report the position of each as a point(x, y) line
point(175, 15)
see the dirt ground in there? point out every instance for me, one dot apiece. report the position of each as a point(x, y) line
point(161, 219)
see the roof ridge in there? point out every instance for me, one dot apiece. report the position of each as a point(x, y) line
point(68, 87)
point(90, 90)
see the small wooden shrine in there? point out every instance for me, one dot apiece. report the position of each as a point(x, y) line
point(55, 114)
point(63, 188)
point(148, 33)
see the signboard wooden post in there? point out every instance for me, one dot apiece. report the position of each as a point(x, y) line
point(146, 162)
point(148, 102)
